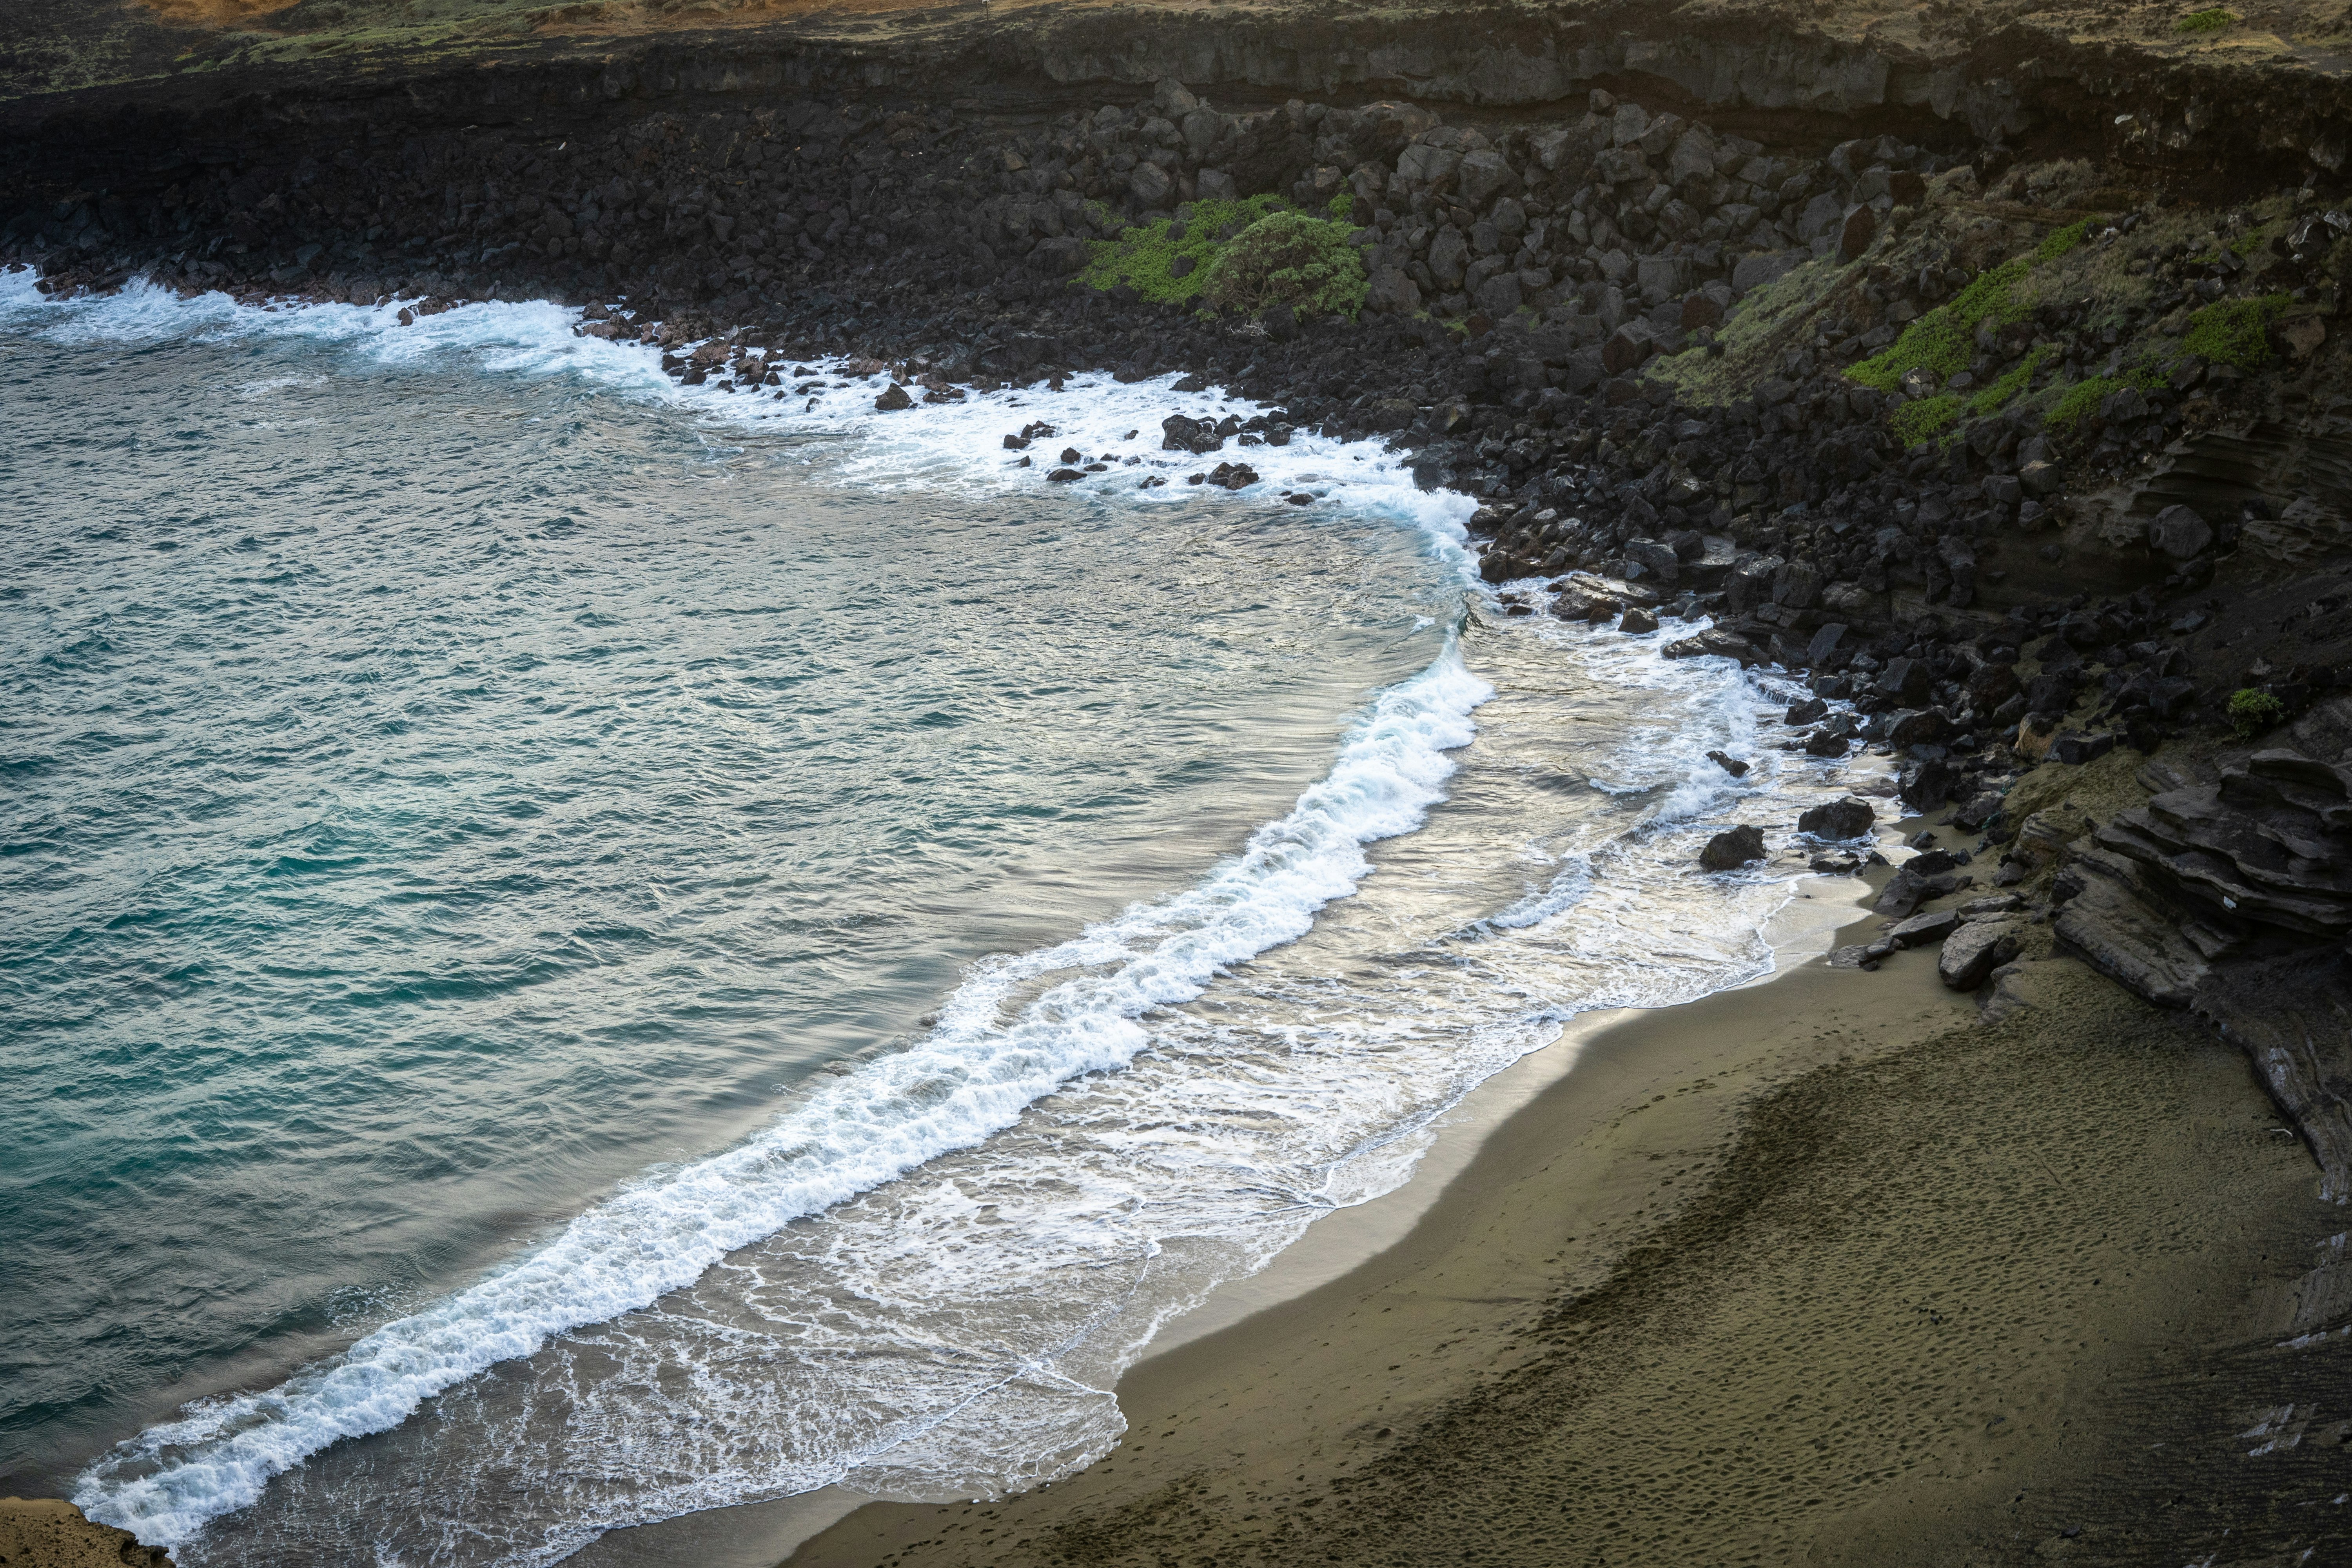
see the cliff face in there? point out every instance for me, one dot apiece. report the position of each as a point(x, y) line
point(2135, 81)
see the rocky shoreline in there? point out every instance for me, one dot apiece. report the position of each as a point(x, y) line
point(2013, 459)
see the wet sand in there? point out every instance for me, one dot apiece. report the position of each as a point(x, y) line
point(1825, 1269)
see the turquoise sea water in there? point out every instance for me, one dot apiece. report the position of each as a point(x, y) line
point(567, 954)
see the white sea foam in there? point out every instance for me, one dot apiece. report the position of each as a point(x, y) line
point(931, 446)
point(1002, 1232)
point(970, 1079)
point(986, 1061)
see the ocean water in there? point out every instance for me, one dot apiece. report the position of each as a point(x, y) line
point(577, 949)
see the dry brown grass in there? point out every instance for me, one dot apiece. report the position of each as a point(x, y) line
point(213, 13)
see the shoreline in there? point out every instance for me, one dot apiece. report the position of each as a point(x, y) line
point(1339, 1244)
point(1438, 1200)
point(1255, 1441)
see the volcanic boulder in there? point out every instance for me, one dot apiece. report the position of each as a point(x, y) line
point(1732, 848)
point(1847, 818)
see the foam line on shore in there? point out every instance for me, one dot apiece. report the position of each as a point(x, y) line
point(1021, 1028)
point(974, 1075)
point(946, 445)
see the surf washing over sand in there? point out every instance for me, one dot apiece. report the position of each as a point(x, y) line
point(923, 1277)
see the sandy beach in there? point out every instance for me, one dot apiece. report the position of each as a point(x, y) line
point(1824, 1269)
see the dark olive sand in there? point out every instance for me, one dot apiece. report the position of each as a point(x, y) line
point(1823, 1271)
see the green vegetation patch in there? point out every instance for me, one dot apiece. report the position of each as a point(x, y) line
point(2002, 392)
point(1288, 259)
point(2082, 400)
point(2254, 238)
point(1925, 418)
point(1944, 339)
point(2211, 21)
point(2061, 241)
point(2235, 331)
point(1306, 249)
point(2253, 710)
point(1762, 325)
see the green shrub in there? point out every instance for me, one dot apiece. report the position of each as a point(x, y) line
point(2235, 331)
point(1288, 259)
point(1944, 339)
point(2080, 401)
point(1997, 396)
point(1141, 256)
point(2062, 240)
point(1924, 419)
point(2211, 21)
point(2253, 710)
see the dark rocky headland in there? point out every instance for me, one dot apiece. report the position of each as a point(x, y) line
point(1988, 367)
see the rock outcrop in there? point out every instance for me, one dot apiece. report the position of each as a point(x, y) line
point(50, 1532)
point(1732, 848)
point(2233, 896)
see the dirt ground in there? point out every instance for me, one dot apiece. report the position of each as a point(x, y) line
point(225, 47)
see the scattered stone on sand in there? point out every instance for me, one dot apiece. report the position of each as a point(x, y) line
point(1918, 930)
point(1974, 950)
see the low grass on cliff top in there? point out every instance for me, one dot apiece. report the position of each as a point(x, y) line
point(1275, 253)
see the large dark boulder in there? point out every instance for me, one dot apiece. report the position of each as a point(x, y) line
point(1658, 560)
point(1716, 641)
point(2075, 748)
point(2180, 532)
point(1180, 434)
point(1918, 930)
point(1924, 786)
point(1972, 952)
point(1732, 848)
point(1917, 727)
point(1904, 680)
point(1847, 818)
